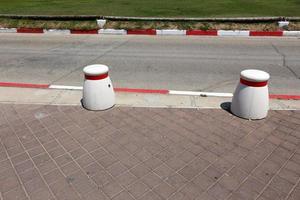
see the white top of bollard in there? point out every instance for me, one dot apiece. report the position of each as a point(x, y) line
point(96, 69)
point(255, 75)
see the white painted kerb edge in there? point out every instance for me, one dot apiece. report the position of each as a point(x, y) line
point(8, 30)
point(233, 33)
point(171, 32)
point(113, 31)
point(65, 87)
point(204, 94)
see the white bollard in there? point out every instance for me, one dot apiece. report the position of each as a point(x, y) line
point(251, 97)
point(98, 92)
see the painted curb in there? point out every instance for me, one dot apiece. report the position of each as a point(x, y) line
point(75, 31)
point(233, 33)
point(141, 32)
point(140, 90)
point(8, 30)
point(201, 32)
point(30, 30)
point(113, 31)
point(24, 85)
point(221, 33)
point(267, 33)
point(57, 31)
point(170, 32)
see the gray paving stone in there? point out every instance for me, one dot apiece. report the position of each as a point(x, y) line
point(147, 153)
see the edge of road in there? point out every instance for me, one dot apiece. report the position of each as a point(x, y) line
point(236, 33)
point(41, 96)
point(143, 91)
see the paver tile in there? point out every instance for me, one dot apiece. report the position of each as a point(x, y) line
point(124, 195)
point(126, 179)
point(147, 153)
point(15, 194)
point(151, 179)
point(112, 189)
point(137, 189)
point(164, 190)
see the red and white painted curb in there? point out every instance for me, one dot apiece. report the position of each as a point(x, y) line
point(144, 91)
point(236, 33)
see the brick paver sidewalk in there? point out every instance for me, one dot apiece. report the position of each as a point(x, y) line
point(65, 152)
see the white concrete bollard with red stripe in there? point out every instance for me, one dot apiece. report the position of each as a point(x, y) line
point(98, 92)
point(251, 97)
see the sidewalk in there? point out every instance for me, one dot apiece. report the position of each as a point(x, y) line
point(65, 152)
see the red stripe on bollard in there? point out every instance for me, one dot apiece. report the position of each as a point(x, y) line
point(201, 32)
point(98, 77)
point(254, 84)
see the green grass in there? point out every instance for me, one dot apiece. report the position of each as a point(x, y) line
point(158, 8)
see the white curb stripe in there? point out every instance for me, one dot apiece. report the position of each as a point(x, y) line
point(233, 33)
point(8, 30)
point(170, 32)
point(173, 92)
point(291, 33)
point(113, 31)
point(57, 31)
point(65, 87)
point(203, 94)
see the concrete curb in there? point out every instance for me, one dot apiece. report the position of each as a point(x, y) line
point(222, 33)
point(145, 91)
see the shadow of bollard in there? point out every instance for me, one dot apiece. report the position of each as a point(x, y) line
point(226, 106)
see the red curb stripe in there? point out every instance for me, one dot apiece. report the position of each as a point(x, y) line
point(149, 91)
point(30, 30)
point(201, 32)
point(93, 31)
point(23, 85)
point(266, 33)
point(132, 90)
point(285, 97)
point(141, 32)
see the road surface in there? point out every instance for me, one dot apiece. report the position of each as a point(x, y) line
point(153, 62)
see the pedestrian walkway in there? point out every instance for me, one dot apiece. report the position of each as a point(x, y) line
point(68, 153)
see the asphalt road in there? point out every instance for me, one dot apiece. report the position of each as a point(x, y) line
point(157, 62)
